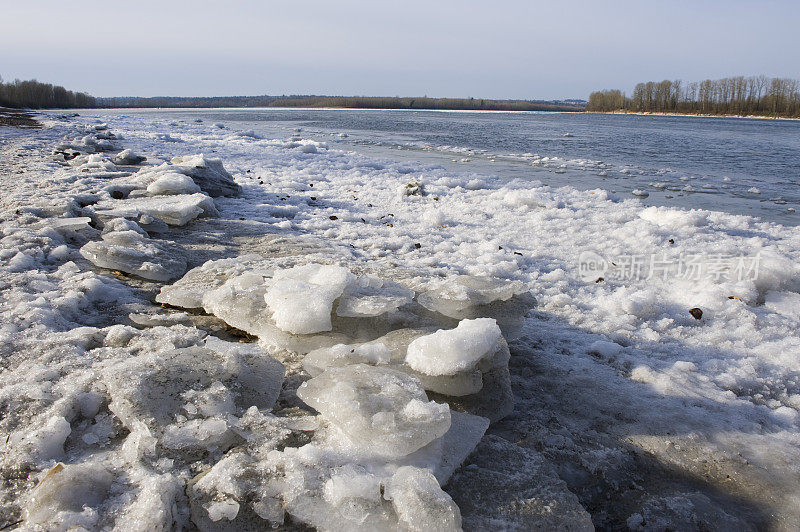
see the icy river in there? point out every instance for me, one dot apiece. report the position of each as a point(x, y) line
point(740, 166)
point(381, 320)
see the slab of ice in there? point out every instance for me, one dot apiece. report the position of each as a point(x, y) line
point(178, 210)
point(240, 302)
point(65, 490)
point(184, 396)
point(128, 157)
point(376, 407)
point(188, 292)
point(447, 352)
point(371, 296)
point(172, 183)
point(419, 501)
point(340, 355)
point(301, 298)
point(209, 174)
point(473, 297)
point(133, 253)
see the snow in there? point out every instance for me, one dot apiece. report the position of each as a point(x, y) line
point(336, 351)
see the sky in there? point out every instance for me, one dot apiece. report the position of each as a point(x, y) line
point(501, 49)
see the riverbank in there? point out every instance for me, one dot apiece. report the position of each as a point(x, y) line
point(628, 409)
point(699, 115)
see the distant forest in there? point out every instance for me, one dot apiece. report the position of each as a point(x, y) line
point(754, 95)
point(34, 95)
point(350, 102)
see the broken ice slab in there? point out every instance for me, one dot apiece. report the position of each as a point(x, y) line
point(174, 210)
point(468, 296)
point(68, 489)
point(188, 292)
point(301, 298)
point(369, 296)
point(447, 352)
point(133, 253)
point(517, 487)
point(379, 408)
point(128, 158)
point(172, 183)
point(185, 397)
point(209, 174)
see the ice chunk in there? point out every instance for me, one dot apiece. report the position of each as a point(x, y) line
point(301, 298)
point(240, 302)
point(133, 253)
point(69, 224)
point(371, 296)
point(187, 394)
point(188, 292)
point(473, 297)
point(123, 224)
point(419, 502)
point(339, 355)
point(494, 401)
point(178, 210)
point(68, 488)
point(172, 183)
point(447, 352)
point(128, 157)
point(379, 408)
point(209, 174)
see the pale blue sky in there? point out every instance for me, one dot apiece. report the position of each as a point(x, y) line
point(512, 49)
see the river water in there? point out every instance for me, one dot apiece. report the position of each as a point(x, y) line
point(740, 166)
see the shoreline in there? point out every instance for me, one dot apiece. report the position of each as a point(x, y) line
point(695, 115)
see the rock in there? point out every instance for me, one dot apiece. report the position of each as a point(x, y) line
point(413, 188)
point(696, 313)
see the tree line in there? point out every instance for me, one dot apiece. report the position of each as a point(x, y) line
point(350, 102)
point(32, 94)
point(740, 95)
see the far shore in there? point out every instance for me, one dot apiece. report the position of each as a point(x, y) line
point(695, 115)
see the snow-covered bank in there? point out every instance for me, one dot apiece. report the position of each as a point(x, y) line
point(624, 403)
